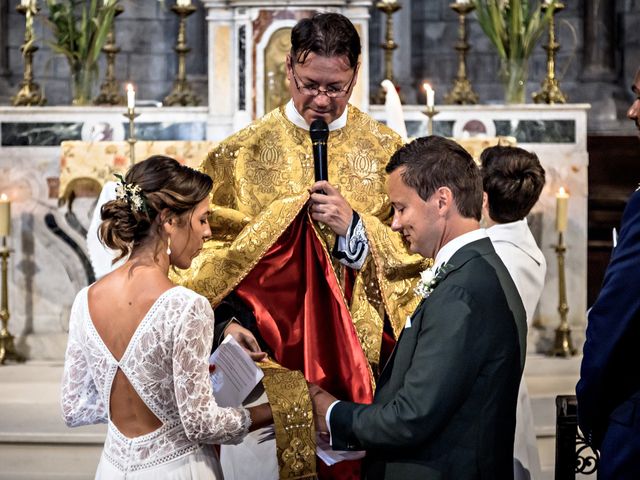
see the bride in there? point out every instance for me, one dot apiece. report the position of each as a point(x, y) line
point(138, 349)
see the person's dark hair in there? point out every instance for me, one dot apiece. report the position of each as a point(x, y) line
point(434, 162)
point(513, 179)
point(164, 184)
point(327, 35)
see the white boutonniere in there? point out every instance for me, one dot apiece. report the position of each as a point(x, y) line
point(429, 279)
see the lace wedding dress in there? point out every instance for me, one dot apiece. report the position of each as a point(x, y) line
point(166, 363)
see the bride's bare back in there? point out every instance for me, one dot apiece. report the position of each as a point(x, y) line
point(117, 304)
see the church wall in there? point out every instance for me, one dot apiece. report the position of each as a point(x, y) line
point(424, 29)
point(146, 33)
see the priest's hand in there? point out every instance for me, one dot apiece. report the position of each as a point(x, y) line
point(246, 340)
point(321, 401)
point(330, 207)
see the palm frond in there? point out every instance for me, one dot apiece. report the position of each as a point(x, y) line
point(513, 26)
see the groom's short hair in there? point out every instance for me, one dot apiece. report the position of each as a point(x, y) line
point(433, 162)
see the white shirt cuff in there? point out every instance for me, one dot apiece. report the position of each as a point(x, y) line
point(327, 417)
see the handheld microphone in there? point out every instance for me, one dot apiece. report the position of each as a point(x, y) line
point(319, 132)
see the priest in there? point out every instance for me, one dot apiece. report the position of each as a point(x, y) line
point(312, 269)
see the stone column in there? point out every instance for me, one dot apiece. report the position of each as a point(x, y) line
point(599, 44)
point(4, 55)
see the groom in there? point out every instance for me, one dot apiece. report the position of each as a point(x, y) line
point(445, 403)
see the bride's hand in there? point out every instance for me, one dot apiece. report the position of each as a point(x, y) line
point(246, 340)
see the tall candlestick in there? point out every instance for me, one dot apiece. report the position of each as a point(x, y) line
point(562, 209)
point(430, 95)
point(5, 216)
point(131, 97)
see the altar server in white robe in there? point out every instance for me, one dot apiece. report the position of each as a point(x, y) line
point(512, 180)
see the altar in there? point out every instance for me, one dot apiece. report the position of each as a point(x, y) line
point(49, 263)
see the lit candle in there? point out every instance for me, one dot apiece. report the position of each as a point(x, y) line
point(5, 216)
point(430, 95)
point(131, 97)
point(562, 209)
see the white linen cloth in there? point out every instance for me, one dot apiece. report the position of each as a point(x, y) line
point(101, 257)
point(166, 362)
point(518, 250)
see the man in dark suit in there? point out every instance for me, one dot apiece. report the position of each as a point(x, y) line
point(609, 388)
point(445, 403)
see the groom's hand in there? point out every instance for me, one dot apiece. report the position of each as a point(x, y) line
point(321, 401)
point(246, 340)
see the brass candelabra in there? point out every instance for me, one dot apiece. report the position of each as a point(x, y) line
point(131, 115)
point(551, 92)
point(109, 90)
point(563, 346)
point(29, 93)
point(430, 112)
point(462, 92)
point(7, 347)
point(388, 7)
point(182, 94)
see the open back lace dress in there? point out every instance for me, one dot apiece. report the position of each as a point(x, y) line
point(166, 362)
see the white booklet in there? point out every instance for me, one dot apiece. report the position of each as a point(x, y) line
point(330, 456)
point(233, 373)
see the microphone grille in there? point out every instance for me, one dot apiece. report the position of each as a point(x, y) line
point(319, 130)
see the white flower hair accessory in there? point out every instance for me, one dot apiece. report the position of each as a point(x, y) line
point(132, 194)
point(429, 279)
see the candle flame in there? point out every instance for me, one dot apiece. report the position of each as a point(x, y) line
point(129, 87)
point(426, 86)
point(4, 197)
point(563, 192)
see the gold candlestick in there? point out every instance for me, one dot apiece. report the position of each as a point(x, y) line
point(563, 346)
point(131, 115)
point(29, 93)
point(551, 92)
point(182, 94)
point(7, 347)
point(388, 7)
point(462, 92)
point(430, 112)
point(109, 90)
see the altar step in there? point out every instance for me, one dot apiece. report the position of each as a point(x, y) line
point(35, 444)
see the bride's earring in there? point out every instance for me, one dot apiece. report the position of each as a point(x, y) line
point(169, 246)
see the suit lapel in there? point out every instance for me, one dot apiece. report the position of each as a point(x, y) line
point(462, 256)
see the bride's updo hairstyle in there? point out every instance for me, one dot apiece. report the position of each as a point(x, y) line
point(148, 188)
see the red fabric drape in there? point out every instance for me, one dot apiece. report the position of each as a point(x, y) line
point(301, 314)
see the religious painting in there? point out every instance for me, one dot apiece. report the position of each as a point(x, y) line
point(276, 85)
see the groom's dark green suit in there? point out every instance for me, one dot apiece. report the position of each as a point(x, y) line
point(446, 400)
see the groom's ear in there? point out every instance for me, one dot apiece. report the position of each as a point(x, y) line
point(445, 201)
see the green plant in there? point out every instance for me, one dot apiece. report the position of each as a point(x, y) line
point(514, 28)
point(80, 29)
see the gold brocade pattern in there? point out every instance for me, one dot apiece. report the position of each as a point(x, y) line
point(94, 163)
point(396, 271)
point(293, 418)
